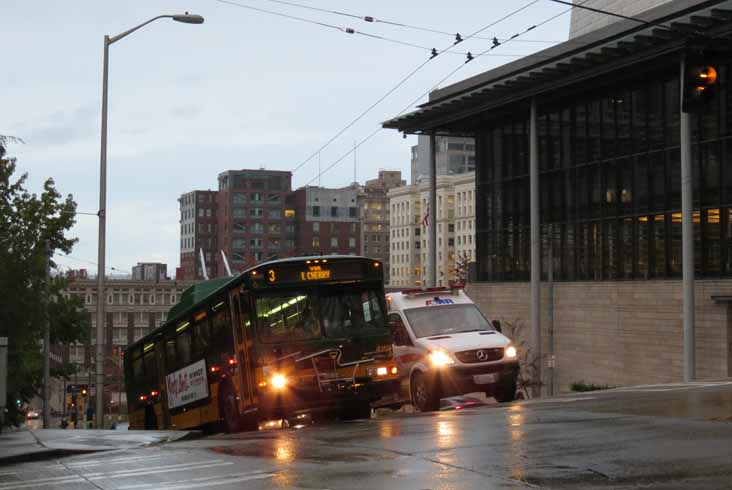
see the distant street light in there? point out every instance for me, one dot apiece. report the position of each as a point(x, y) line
point(101, 297)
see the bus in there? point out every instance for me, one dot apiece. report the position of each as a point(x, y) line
point(277, 341)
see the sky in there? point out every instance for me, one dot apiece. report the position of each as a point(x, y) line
point(246, 89)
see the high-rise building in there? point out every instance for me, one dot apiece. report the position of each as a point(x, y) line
point(410, 232)
point(584, 20)
point(197, 233)
point(326, 220)
point(150, 271)
point(455, 155)
point(374, 204)
point(254, 223)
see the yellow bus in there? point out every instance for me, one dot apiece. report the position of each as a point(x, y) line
point(281, 339)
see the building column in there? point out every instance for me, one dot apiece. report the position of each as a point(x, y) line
point(535, 307)
point(432, 218)
point(687, 236)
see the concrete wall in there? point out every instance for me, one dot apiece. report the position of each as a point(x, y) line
point(584, 21)
point(618, 333)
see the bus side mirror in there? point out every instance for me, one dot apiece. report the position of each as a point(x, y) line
point(497, 325)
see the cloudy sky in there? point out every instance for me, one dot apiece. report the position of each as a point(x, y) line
point(246, 89)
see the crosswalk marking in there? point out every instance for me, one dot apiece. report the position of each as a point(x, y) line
point(157, 470)
point(206, 480)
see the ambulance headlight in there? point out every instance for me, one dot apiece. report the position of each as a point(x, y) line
point(511, 352)
point(440, 358)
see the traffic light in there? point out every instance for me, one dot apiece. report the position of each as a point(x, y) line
point(701, 78)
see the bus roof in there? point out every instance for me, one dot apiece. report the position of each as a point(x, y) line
point(198, 293)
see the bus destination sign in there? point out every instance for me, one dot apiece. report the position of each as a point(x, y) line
point(309, 273)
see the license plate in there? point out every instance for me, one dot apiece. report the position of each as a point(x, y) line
point(484, 379)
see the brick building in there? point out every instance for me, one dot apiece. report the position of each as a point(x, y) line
point(253, 221)
point(326, 220)
point(133, 308)
point(374, 205)
point(198, 233)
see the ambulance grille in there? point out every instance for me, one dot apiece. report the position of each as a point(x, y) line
point(480, 355)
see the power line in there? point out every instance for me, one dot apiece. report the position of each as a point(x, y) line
point(91, 262)
point(458, 68)
point(349, 30)
point(373, 19)
point(404, 80)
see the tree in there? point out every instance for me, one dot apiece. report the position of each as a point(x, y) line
point(462, 264)
point(27, 221)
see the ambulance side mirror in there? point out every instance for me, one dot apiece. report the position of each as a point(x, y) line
point(497, 325)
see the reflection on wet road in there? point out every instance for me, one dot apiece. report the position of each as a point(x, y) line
point(599, 441)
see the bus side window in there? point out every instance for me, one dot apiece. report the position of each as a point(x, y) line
point(221, 340)
point(202, 335)
point(246, 316)
point(138, 374)
point(183, 347)
point(171, 360)
point(151, 374)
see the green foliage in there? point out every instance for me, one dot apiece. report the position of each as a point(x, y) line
point(581, 386)
point(27, 221)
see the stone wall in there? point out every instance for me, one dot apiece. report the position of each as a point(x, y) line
point(584, 21)
point(618, 333)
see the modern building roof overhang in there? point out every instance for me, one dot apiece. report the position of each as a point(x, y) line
point(603, 54)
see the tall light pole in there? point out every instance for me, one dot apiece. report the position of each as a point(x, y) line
point(101, 297)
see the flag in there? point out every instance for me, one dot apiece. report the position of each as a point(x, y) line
point(426, 219)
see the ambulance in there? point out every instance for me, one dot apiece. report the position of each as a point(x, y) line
point(444, 346)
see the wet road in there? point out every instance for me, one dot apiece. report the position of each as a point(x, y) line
point(650, 437)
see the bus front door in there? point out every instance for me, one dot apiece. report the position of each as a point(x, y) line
point(242, 348)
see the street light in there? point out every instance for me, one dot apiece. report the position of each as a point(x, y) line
point(101, 297)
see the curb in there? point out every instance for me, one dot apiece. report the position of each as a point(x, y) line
point(191, 435)
point(44, 455)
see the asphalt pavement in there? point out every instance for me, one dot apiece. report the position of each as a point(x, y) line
point(662, 437)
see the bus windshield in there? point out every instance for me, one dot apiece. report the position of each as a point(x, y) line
point(314, 313)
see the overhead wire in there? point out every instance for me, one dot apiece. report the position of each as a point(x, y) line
point(374, 19)
point(91, 262)
point(458, 68)
point(402, 82)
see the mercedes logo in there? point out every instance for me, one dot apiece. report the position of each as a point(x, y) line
point(481, 355)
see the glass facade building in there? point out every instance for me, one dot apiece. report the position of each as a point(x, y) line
point(610, 186)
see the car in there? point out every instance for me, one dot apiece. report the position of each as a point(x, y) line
point(32, 415)
point(444, 346)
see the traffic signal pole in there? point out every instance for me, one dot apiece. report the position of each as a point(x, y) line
point(687, 235)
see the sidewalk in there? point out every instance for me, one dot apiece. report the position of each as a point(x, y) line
point(28, 444)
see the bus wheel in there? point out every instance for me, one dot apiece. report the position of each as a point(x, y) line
point(355, 410)
point(425, 397)
point(230, 413)
point(151, 420)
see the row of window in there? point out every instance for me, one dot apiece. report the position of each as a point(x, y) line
point(335, 212)
point(256, 213)
point(90, 298)
point(271, 243)
point(334, 242)
point(242, 198)
point(273, 228)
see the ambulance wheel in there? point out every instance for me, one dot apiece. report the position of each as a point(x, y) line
point(425, 395)
point(505, 391)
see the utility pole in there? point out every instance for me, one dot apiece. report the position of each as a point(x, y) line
point(432, 217)
point(47, 339)
point(535, 308)
point(3, 378)
point(687, 237)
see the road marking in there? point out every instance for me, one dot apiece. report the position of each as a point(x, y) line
point(96, 462)
point(226, 481)
point(206, 480)
point(157, 470)
point(59, 480)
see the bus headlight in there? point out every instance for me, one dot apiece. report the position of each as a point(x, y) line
point(511, 351)
point(278, 381)
point(382, 371)
point(440, 358)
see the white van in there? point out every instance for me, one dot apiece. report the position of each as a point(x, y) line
point(444, 346)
